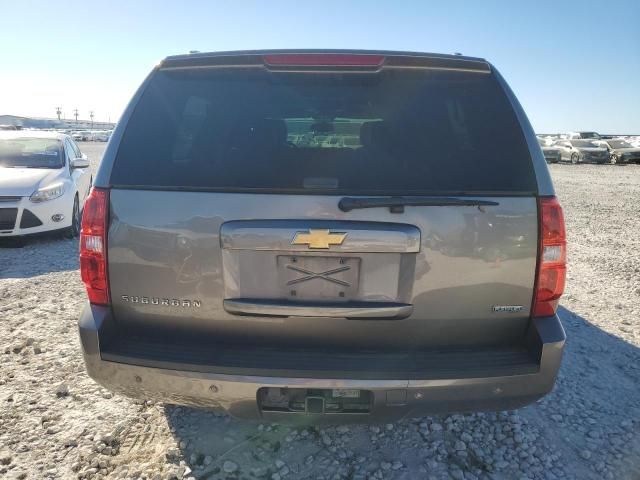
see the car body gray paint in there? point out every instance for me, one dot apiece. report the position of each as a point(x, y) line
point(469, 260)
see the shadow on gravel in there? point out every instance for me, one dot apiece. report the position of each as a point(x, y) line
point(592, 415)
point(592, 353)
point(586, 428)
point(38, 255)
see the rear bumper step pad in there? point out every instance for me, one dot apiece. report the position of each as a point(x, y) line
point(316, 363)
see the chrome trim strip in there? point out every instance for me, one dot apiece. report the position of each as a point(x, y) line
point(369, 310)
point(278, 235)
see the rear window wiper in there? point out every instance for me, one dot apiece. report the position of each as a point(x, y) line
point(397, 204)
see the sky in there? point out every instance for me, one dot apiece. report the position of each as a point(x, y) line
point(574, 65)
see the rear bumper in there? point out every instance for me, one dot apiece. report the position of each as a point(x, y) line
point(237, 394)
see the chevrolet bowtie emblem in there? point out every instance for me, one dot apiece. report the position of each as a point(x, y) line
point(318, 238)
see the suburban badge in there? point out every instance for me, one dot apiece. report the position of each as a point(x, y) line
point(507, 308)
point(162, 302)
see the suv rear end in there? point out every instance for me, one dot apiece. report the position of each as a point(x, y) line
point(331, 234)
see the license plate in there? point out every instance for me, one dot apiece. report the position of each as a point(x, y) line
point(345, 393)
point(304, 277)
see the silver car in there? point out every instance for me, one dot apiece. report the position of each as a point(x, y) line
point(621, 151)
point(583, 151)
point(552, 154)
point(331, 235)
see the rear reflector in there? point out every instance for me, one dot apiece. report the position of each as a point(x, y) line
point(93, 246)
point(552, 261)
point(323, 60)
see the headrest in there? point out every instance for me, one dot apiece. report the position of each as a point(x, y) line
point(372, 133)
point(269, 132)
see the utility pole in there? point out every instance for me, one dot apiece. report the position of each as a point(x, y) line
point(75, 113)
point(91, 117)
point(58, 112)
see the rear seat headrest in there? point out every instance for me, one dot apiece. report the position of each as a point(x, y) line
point(269, 132)
point(373, 133)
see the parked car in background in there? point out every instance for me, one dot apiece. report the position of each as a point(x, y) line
point(82, 136)
point(621, 151)
point(44, 181)
point(582, 135)
point(283, 243)
point(551, 153)
point(582, 151)
point(634, 141)
point(100, 136)
point(546, 140)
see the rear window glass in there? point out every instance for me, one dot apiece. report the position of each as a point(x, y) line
point(393, 132)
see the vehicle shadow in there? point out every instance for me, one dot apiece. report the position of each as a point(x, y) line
point(38, 255)
point(594, 408)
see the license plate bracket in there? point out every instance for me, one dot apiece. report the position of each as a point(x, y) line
point(321, 278)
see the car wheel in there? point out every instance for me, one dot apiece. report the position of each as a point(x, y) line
point(74, 230)
point(574, 158)
point(614, 159)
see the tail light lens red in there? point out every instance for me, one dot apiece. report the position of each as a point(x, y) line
point(93, 246)
point(552, 257)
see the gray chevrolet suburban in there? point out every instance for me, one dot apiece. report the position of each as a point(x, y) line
point(324, 236)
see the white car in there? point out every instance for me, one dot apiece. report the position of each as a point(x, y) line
point(44, 181)
point(100, 136)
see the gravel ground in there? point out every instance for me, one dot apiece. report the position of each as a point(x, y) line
point(57, 423)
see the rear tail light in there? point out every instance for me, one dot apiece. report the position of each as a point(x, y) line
point(323, 60)
point(552, 260)
point(93, 246)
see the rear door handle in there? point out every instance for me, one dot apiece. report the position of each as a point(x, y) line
point(351, 310)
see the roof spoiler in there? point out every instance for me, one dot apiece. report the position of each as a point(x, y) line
point(317, 61)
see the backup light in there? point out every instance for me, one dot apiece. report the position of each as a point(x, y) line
point(551, 253)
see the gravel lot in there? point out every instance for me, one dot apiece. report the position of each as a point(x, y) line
point(57, 423)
